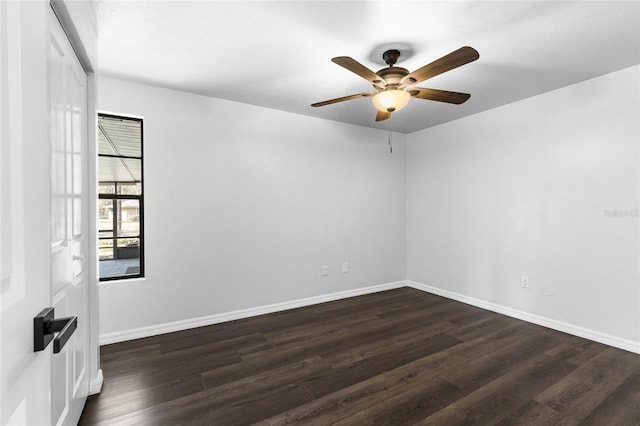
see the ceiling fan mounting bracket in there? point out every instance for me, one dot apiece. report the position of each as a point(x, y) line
point(391, 56)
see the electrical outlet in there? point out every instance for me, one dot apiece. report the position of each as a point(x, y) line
point(345, 267)
point(325, 270)
point(524, 282)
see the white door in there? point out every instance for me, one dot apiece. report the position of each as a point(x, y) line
point(69, 297)
point(43, 224)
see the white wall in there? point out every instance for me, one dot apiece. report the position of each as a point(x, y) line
point(546, 187)
point(243, 205)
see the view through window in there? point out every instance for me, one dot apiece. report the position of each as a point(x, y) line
point(120, 197)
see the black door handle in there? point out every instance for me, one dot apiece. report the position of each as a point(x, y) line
point(44, 327)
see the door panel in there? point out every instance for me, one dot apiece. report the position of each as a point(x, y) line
point(25, 288)
point(68, 234)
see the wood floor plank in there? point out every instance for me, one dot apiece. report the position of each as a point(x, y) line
point(493, 365)
point(199, 360)
point(131, 355)
point(576, 350)
point(254, 409)
point(621, 407)
point(360, 370)
point(397, 357)
point(483, 326)
point(257, 407)
point(343, 339)
point(306, 332)
point(506, 394)
point(535, 413)
point(368, 349)
point(590, 384)
point(370, 392)
point(164, 360)
point(178, 342)
point(410, 404)
point(333, 407)
point(120, 404)
point(294, 372)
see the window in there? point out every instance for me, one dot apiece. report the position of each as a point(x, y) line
point(120, 198)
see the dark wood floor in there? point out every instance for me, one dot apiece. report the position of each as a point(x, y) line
point(397, 357)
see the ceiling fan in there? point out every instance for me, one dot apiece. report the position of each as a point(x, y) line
point(395, 85)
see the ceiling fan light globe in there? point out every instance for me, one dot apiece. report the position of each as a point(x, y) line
point(391, 100)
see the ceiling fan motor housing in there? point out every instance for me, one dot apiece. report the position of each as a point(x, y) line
point(392, 76)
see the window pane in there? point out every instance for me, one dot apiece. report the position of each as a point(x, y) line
point(112, 169)
point(105, 215)
point(130, 188)
point(128, 223)
point(132, 246)
point(106, 188)
point(119, 268)
point(105, 250)
point(119, 136)
point(103, 146)
point(124, 260)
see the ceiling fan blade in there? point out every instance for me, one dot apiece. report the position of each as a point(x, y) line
point(342, 99)
point(357, 68)
point(439, 95)
point(382, 115)
point(459, 57)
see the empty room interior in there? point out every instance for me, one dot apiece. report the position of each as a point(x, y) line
point(322, 212)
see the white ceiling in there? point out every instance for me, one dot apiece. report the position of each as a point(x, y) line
point(277, 54)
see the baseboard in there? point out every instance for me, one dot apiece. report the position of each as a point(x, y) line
point(95, 384)
point(153, 330)
point(607, 339)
